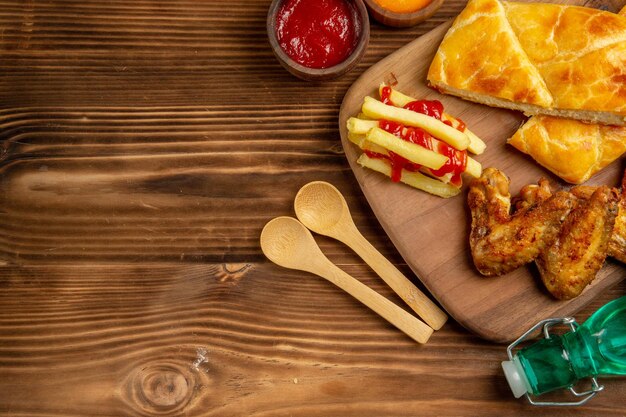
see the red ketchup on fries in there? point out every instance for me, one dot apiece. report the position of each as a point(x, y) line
point(457, 160)
point(318, 33)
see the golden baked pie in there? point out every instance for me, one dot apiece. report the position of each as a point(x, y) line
point(571, 149)
point(551, 59)
point(480, 56)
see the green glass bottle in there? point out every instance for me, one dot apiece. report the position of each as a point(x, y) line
point(596, 348)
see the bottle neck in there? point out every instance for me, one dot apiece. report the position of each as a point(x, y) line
point(583, 352)
point(560, 361)
point(546, 366)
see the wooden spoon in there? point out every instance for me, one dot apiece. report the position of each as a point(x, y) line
point(322, 208)
point(286, 242)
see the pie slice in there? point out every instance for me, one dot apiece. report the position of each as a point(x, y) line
point(579, 52)
point(481, 59)
point(548, 59)
point(571, 149)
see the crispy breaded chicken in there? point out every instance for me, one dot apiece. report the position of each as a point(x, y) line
point(501, 242)
point(531, 195)
point(572, 261)
point(617, 244)
point(568, 234)
point(537, 194)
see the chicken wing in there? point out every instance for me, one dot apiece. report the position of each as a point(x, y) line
point(572, 261)
point(501, 242)
point(617, 244)
point(531, 195)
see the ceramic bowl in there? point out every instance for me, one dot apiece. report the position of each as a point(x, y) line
point(319, 74)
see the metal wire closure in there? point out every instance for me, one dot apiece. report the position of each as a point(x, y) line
point(547, 324)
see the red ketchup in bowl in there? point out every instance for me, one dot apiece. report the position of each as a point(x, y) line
point(318, 33)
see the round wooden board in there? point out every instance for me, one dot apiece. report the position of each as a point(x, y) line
point(431, 233)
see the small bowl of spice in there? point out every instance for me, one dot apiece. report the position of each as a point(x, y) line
point(318, 39)
point(402, 13)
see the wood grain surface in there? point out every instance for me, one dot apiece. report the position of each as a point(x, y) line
point(144, 146)
point(432, 233)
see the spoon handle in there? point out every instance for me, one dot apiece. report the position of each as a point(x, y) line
point(416, 299)
point(409, 324)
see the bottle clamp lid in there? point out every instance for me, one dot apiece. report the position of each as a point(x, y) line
point(517, 379)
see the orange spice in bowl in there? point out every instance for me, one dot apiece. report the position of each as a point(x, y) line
point(402, 13)
point(402, 6)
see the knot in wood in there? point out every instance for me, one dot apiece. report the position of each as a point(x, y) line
point(161, 389)
point(232, 273)
point(164, 388)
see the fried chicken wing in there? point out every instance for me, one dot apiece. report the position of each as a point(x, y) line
point(536, 194)
point(501, 242)
point(568, 234)
point(572, 261)
point(532, 194)
point(617, 244)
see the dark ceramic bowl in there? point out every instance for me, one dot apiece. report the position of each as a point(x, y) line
point(319, 74)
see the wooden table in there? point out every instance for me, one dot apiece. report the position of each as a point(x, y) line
point(144, 146)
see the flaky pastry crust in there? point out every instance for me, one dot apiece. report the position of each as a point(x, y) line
point(571, 149)
point(550, 59)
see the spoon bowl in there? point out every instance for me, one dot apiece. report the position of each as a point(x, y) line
point(286, 242)
point(321, 207)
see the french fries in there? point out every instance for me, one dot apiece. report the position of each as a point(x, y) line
point(414, 179)
point(378, 110)
point(364, 144)
point(473, 168)
point(414, 153)
point(361, 127)
point(397, 98)
point(476, 146)
point(440, 154)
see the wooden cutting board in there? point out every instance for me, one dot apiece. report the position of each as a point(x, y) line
point(431, 233)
